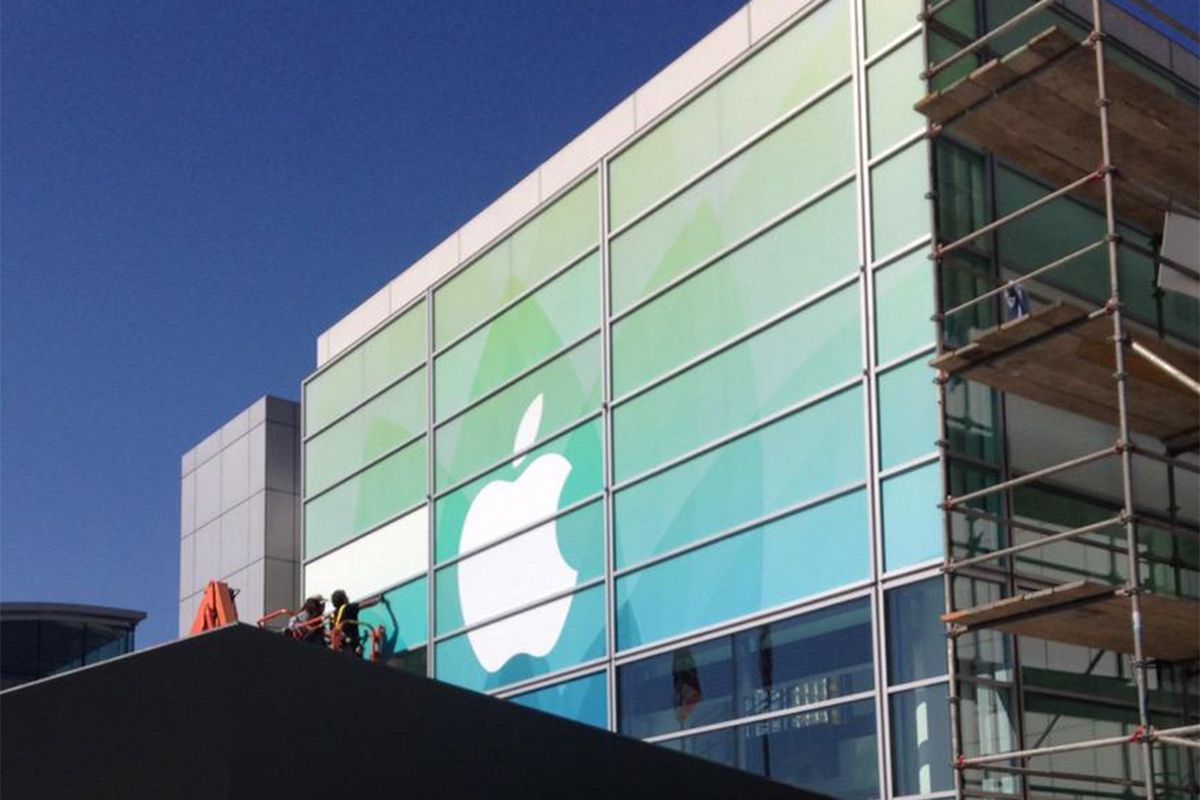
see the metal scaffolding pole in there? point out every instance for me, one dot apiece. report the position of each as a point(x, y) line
point(1121, 376)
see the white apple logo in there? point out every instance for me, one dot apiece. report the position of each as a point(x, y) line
point(521, 570)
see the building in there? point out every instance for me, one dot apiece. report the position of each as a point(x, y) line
point(38, 640)
point(239, 512)
point(653, 442)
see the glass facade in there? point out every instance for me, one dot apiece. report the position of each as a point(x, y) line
point(38, 642)
point(675, 435)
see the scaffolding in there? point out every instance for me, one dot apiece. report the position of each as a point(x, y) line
point(1069, 114)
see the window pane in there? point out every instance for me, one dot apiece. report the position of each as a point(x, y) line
point(719, 746)
point(803, 156)
point(551, 558)
point(916, 636)
point(513, 496)
point(921, 754)
point(799, 63)
point(812, 350)
point(894, 85)
point(584, 700)
point(551, 637)
point(366, 500)
point(809, 659)
point(912, 521)
point(904, 306)
point(781, 267)
point(686, 688)
point(908, 427)
point(403, 614)
point(899, 208)
point(751, 476)
point(378, 427)
point(365, 370)
point(569, 388)
point(887, 19)
point(831, 752)
point(555, 315)
point(550, 240)
point(60, 647)
point(748, 572)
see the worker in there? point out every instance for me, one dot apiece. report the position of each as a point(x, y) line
point(304, 625)
point(344, 625)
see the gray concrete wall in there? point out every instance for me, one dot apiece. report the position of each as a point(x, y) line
point(240, 512)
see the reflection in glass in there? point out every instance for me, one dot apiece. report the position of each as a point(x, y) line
point(583, 700)
point(921, 754)
point(916, 636)
point(797, 662)
point(688, 687)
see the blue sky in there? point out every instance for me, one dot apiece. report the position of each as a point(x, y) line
point(192, 192)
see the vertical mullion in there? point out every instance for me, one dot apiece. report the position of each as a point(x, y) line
point(607, 451)
point(430, 462)
point(870, 416)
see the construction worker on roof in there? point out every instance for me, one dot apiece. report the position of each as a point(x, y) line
point(344, 624)
point(305, 625)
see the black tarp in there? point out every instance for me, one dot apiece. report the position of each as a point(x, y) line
point(243, 713)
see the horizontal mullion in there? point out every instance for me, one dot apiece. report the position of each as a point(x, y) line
point(922, 683)
point(565, 429)
point(562, 512)
point(732, 247)
point(525, 295)
point(894, 45)
point(904, 251)
point(766, 716)
point(730, 155)
point(906, 358)
point(363, 468)
point(512, 612)
point(534, 367)
point(404, 512)
point(565, 675)
point(911, 465)
point(892, 150)
point(734, 341)
point(406, 374)
point(783, 413)
point(742, 527)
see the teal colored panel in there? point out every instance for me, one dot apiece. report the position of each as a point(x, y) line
point(366, 500)
point(912, 521)
point(559, 233)
point(904, 306)
point(806, 59)
point(394, 417)
point(555, 315)
point(582, 447)
point(583, 700)
point(403, 614)
point(365, 370)
point(794, 162)
point(580, 639)
point(748, 478)
point(894, 85)
point(809, 552)
point(579, 538)
point(781, 267)
point(899, 208)
point(887, 19)
point(569, 387)
point(908, 422)
point(810, 351)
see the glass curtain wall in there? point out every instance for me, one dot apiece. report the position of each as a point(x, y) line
point(662, 459)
